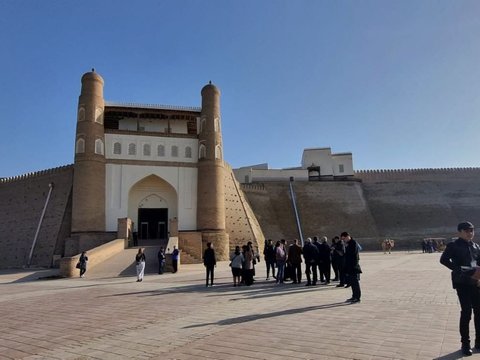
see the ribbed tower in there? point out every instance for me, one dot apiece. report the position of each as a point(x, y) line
point(211, 189)
point(88, 207)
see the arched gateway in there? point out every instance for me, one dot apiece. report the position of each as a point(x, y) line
point(152, 202)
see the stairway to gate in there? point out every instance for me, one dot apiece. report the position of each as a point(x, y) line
point(123, 263)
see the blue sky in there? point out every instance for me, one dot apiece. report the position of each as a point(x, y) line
point(397, 83)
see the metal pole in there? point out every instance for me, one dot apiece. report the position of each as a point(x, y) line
point(39, 224)
point(299, 227)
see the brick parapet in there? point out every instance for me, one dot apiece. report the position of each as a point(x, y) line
point(415, 174)
point(35, 174)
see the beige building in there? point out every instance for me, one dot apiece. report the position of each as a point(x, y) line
point(317, 164)
point(152, 173)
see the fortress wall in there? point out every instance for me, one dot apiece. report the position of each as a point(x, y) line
point(22, 199)
point(417, 174)
point(241, 224)
point(406, 205)
point(325, 209)
point(413, 209)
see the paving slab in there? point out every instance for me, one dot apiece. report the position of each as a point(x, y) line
point(408, 311)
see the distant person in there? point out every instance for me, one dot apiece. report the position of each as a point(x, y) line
point(352, 266)
point(339, 257)
point(140, 264)
point(325, 261)
point(83, 264)
point(256, 258)
point(248, 268)
point(209, 261)
point(462, 256)
point(295, 260)
point(424, 246)
point(269, 256)
point(175, 257)
point(236, 263)
point(161, 260)
point(281, 260)
point(310, 254)
point(335, 262)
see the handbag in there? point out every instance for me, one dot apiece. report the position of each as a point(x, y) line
point(78, 265)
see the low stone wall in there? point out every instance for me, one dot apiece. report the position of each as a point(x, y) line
point(95, 256)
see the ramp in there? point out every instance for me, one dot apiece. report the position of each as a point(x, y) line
point(123, 264)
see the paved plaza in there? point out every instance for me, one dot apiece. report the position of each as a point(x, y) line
point(408, 311)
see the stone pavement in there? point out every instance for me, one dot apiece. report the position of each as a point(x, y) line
point(408, 311)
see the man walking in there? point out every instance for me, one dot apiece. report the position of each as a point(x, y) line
point(462, 257)
point(352, 266)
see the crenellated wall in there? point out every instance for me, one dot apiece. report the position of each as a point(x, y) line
point(411, 174)
point(22, 199)
point(406, 205)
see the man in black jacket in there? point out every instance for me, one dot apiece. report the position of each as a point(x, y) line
point(310, 254)
point(209, 261)
point(352, 266)
point(269, 256)
point(462, 257)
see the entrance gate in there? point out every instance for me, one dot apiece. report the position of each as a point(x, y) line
point(153, 224)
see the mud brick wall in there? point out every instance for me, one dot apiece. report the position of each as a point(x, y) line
point(240, 221)
point(406, 205)
point(22, 199)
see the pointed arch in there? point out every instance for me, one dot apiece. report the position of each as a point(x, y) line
point(202, 151)
point(99, 147)
point(80, 146)
point(218, 152)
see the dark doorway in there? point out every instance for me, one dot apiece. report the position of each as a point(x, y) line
point(152, 224)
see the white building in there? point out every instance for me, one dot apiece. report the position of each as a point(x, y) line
point(318, 164)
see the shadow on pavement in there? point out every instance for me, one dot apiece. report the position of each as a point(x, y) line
point(19, 276)
point(452, 356)
point(253, 317)
point(256, 291)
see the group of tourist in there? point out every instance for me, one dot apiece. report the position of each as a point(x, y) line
point(341, 256)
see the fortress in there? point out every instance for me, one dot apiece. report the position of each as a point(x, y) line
point(157, 173)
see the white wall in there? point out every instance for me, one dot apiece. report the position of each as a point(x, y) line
point(278, 175)
point(178, 189)
point(346, 161)
point(157, 125)
point(318, 157)
point(154, 141)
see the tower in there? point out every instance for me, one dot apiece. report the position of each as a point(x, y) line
point(211, 190)
point(88, 199)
